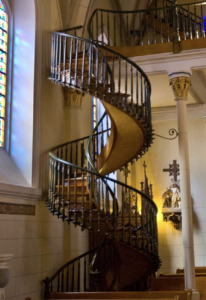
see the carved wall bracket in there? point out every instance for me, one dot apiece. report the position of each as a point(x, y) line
point(72, 98)
point(174, 215)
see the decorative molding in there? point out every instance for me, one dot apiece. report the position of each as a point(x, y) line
point(168, 113)
point(72, 98)
point(202, 77)
point(180, 86)
point(19, 192)
point(195, 95)
point(17, 209)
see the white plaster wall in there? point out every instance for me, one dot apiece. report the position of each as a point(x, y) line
point(40, 244)
point(161, 154)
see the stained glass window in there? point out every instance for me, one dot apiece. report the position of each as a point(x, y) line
point(94, 113)
point(3, 62)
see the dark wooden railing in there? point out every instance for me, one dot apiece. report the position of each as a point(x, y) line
point(151, 26)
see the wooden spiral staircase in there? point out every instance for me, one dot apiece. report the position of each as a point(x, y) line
point(121, 220)
point(80, 190)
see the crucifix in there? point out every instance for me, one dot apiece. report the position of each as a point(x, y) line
point(173, 170)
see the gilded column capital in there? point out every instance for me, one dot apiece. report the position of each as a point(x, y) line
point(180, 86)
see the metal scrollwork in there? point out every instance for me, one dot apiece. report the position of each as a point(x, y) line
point(172, 131)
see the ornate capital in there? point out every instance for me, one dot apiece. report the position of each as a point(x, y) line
point(180, 86)
point(72, 98)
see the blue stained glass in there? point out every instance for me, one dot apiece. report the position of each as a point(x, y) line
point(3, 62)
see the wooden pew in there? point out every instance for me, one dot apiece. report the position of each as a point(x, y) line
point(197, 270)
point(177, 284)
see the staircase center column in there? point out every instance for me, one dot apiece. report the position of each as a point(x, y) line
point(180, 83)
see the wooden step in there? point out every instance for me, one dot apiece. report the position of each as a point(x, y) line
point(183, 295)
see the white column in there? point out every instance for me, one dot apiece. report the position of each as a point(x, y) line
point(4, 273)
point(180, 83)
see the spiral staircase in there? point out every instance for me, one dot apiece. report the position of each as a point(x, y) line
point(121, 220)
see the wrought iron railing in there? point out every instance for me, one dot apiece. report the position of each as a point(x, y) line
point(77, 192)
point(151, 26)
point(71, 277)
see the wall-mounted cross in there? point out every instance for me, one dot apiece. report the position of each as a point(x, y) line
point(173, 170)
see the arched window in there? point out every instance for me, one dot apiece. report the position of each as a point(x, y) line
point(3, 68)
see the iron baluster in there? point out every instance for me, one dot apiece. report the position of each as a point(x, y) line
point(102, 32)
point(125, 107)
point(196, 26)
point(73, 277)
point(63, 185)
point(70, 61)
point(114, 213)
point(160, 22)
point(107, 212)
point(130, 237)
point(141, 30)
point(137, 95)
point(67, 289)
point(58, 283)
point(167, 25)
point(112, 83)
point(97, 71)
point(90, 65)
point(108, 29)
point(127, 37)
point(202, 23)
point(83, 66)
point(154, 29)
point(76, 154)
point(76, 62)
point(83, 216)
point(136, 221)
point(183, 26)
point(90, 203)
point(123, 208)
point(52, 56)
point(97, 26)
point(85, 274)
point(119, 80)
point(121, 33)
point(62, 282)
point(58, 189)
point(60, 58)
point(132, 101)
point(56, 59)
point(68, 193)
point(114, 30)
point(54, 188)
point(78, 277)
point(189, 24)
point(75, 197)
point(147, 29)
point(142, 217)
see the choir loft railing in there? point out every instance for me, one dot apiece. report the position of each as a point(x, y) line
point(151, 26)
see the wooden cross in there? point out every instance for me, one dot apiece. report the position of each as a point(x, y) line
point(173, 170)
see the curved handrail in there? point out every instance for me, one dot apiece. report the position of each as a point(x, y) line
point(103, 177)
point(111, 51)
point(68, 264)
